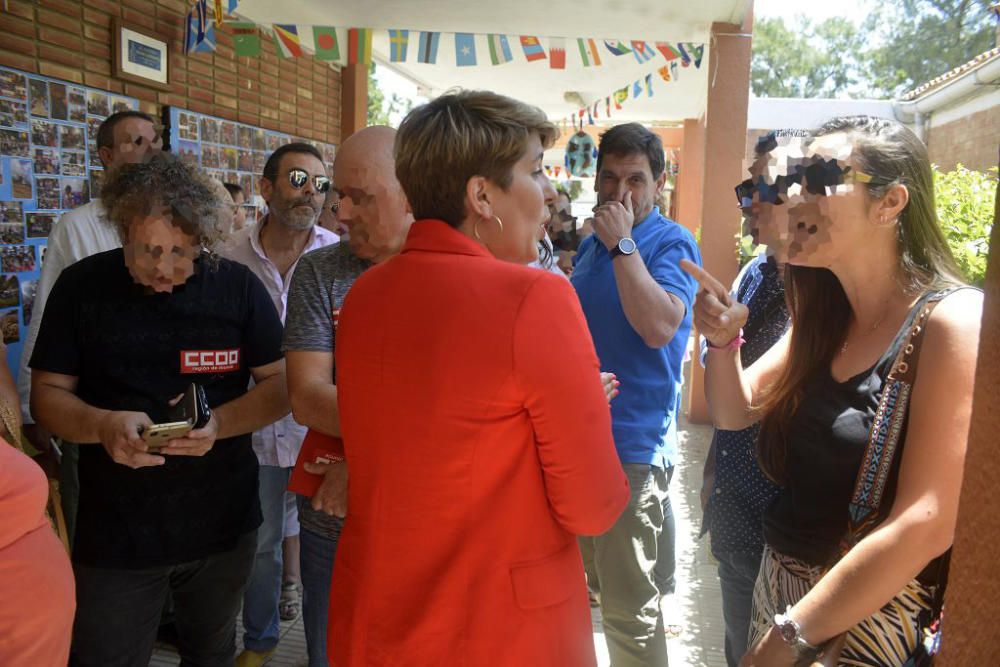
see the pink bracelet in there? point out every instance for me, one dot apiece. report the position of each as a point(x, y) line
point(735, 344)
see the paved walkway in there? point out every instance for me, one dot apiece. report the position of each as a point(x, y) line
point(697, 603)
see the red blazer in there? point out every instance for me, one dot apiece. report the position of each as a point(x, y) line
point(479, 445)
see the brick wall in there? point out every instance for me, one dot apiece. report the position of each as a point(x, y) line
point(972, 140)
point(72, 40)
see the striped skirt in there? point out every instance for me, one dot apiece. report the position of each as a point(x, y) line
point(887, 638)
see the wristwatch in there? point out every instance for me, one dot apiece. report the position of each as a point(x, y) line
point(626, 246)
point(791, 633)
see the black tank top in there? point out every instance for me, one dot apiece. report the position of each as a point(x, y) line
point(827, 439)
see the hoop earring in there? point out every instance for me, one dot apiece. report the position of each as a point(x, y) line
point(475, 227)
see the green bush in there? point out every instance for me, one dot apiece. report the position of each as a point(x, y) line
point(965, 209)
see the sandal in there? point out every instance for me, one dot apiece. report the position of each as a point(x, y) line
point(288, 605)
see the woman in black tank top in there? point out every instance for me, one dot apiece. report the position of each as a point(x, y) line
point(865, 255)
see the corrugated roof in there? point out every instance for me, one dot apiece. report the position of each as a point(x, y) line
point(959, 71)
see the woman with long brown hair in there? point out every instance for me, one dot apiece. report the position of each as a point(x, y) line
point(855, 564)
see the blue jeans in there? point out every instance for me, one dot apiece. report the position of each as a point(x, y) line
point(260, 602)
point(316, 553)
point(737, 576)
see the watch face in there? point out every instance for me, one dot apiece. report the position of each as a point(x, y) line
point(627, 246)
point(788, 632)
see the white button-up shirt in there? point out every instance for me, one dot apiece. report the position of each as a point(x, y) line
point(277, 444)
point(80, 233)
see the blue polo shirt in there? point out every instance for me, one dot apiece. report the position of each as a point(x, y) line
point(642, 414)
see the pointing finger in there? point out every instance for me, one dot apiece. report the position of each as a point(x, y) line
point(705, 279)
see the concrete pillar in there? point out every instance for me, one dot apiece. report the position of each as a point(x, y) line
point(691, 176)
point(972, 602)
point(354, 99)
point(725, 145)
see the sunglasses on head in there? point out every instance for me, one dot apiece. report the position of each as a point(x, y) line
point(299, 177)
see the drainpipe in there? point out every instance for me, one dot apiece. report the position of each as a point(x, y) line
point(918, 111)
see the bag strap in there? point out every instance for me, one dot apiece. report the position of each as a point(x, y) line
point(883, 438)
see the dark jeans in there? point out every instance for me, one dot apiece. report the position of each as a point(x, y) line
point(69, 485)
point(118, 611)
point(666, 565)
point(737, 576)
point(316, 554)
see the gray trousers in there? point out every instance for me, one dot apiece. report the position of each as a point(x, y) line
point(621, 563)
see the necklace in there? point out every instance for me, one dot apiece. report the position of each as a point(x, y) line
point(870, 331)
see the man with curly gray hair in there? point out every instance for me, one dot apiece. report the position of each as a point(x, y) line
point(127, 331)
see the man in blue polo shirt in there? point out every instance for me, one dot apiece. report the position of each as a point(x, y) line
point(637, 302)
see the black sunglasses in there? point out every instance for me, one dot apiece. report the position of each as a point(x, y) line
point(298, 179)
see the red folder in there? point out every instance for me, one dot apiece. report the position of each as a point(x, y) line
point(315, 445)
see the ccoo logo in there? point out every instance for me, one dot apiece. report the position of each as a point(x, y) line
point(210, 361)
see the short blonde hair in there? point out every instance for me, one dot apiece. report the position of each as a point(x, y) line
point(442, 144)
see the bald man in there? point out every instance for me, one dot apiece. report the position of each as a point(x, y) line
point(375, 211)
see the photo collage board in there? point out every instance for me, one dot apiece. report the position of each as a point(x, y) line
point(48, 165)
point(228, 151)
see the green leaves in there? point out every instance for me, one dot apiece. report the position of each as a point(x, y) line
point(964, 201)
point(901, 45)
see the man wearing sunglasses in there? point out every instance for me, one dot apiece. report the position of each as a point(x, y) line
point(294, 185)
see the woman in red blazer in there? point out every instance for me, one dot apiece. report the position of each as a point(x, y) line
point(476, 455)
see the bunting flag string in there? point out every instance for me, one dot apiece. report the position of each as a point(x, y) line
point(619, 97)
point(203, 19)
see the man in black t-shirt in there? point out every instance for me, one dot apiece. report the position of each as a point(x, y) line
point(124, 333)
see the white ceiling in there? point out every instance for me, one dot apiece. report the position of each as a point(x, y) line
point(534, 82)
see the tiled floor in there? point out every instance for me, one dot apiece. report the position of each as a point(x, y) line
point(698, 605)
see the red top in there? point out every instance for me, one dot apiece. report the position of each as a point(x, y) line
point(478, 440)
point(39, 598)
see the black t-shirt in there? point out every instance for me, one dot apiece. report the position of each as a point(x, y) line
point(827, 439)
point(132, 350)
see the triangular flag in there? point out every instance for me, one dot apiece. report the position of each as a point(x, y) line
point(219, 14)
point(499, 49)
point(607, 107)
point(620, 96)
point(685, 58)
point(465, 49)
point(232, 6)
point(636, 89)
point(532, 48)
point(557, 53)
point(199, 31)
point(617, 47)
point(286, 38)
point(665, 73)
point(399, 41)
point(595, 108)
point(642, 52)
point(588, 52)
point(668, 51)
point(590, 119)
point(428, 51)
point(246, 39)
point(327, 46)
point(649, 85)
point(697, 52)
point(359, 46)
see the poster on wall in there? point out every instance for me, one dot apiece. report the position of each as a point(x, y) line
point(48, 165)
point(229, 152)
